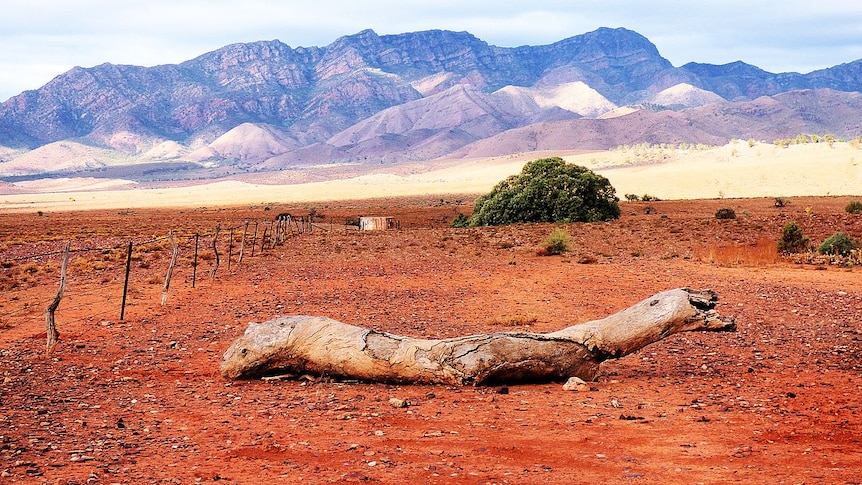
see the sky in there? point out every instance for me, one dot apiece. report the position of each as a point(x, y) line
point(41, 39)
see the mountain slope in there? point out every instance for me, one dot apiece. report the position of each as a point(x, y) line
point(367, 98)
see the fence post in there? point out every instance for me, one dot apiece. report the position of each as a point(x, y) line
point(229, 249)
point(195, 262)
point(254, 238)
point(126, 282)
point(242, 243)
point(215, 250)
point(51, 330)
point(175, 251)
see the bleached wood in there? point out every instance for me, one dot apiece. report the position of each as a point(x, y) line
point(175, 251)
point(52, 335)
point(322, 346)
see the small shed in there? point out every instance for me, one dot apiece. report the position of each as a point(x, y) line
point(377, 223)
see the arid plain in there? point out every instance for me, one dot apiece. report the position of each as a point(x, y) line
point(140, 400)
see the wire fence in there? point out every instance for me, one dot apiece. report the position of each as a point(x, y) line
point(122, 272)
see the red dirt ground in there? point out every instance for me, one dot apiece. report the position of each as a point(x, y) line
point(141, 400)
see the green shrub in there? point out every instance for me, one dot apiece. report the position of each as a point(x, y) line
point(557, 242)
point(548, 190)
point(461, 220)
point(853, 207)
point(792, 240)
point(838, 243)
point(725, 213)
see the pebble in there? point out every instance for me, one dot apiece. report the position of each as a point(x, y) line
point(398, 403)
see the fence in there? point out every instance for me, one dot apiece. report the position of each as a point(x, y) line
point(106, 276)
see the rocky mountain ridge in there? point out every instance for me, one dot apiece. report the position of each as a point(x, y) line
point(375, 99)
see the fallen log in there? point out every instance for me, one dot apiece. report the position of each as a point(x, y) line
point(322, 346)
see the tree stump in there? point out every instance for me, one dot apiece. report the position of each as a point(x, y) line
point(322, 346)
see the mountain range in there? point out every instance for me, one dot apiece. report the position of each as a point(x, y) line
point(370, 100)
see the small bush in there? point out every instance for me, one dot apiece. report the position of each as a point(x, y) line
point(461, 220)
point(838, 243)
point(556, 243)
point(781, 202)
point(650, 198)
point(725, 213)
point(792, 240)
point(853, 207)
point(632, 197)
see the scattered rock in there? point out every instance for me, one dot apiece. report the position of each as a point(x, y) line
point(574, 384)
point(398, 403)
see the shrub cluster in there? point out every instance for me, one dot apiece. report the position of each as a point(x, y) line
point(793, 241)
point(853, 207)
point(838, 244)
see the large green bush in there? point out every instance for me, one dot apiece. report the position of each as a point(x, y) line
point(548, 190)
point(838, 243)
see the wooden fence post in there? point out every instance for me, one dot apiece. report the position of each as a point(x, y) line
point(254, 238)
point(126, 282)
point(242, 243)
point(215, 250)
point(175, 251)
point(195, 262)
point(51, 330)
point(263, 238)
point(229, 249)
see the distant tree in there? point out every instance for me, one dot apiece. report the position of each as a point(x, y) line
point(548, 190)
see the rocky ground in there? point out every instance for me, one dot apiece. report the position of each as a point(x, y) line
point(140, 400)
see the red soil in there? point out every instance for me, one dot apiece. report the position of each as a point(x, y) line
point(141, 400)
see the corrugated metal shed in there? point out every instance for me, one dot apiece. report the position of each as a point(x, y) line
point(377, 223)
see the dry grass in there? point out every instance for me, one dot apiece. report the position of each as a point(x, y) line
point(763, 252)
point(518, 320)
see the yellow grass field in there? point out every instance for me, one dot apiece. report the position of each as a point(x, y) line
point(736, 170)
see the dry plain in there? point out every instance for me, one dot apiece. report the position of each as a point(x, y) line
point(140, 400)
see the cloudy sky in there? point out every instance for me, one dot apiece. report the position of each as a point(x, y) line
point(40, 39)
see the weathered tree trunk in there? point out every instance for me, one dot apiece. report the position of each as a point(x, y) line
point(53, 336)
point(319, 345)
point(175, 251)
